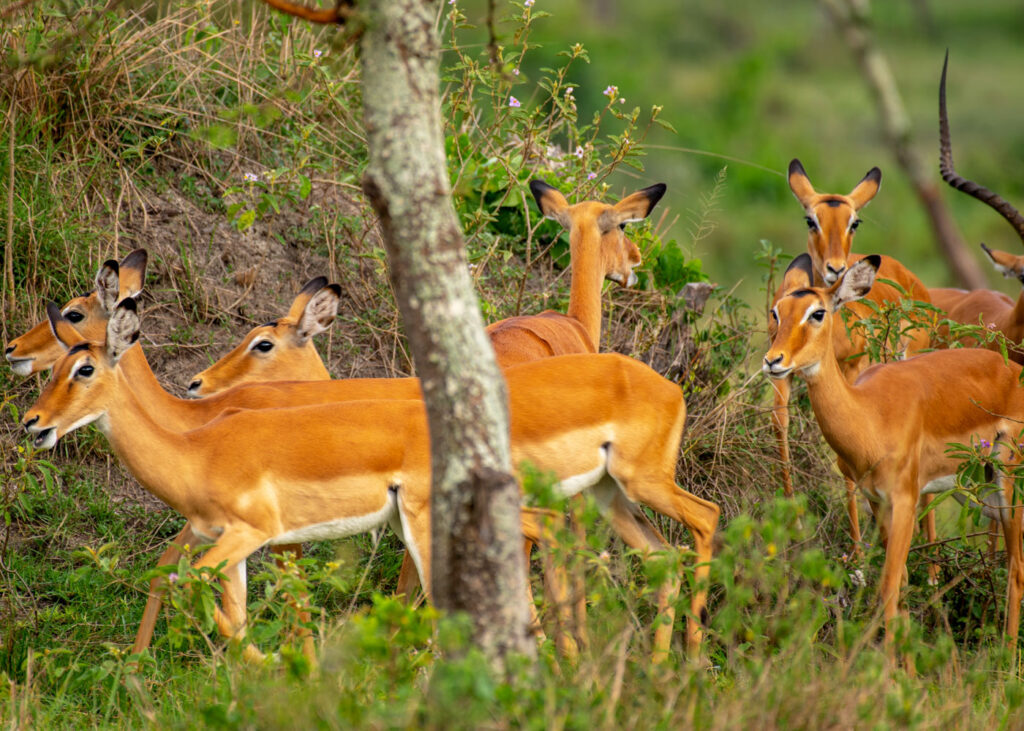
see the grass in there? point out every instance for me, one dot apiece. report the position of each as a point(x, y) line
point(140, 133)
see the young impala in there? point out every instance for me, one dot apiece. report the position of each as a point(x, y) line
point(347, 467)
point(891, 426)
point(832, 220)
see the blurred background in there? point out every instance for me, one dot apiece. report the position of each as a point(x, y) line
point(751, 85)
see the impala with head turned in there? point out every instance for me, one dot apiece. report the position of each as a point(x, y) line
point(832, 220)
point(599, 250)
point(603, 422)
point(892, 425)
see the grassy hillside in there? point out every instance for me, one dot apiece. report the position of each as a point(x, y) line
point(227, 141)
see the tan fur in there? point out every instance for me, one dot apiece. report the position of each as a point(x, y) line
point(990, 308)
point(891, 425)
point(828, 244)
point(359, 450)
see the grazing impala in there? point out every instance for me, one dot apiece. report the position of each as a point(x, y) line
point(347, 467)
point(891, 426)
point(832, 221)
point(982, 306)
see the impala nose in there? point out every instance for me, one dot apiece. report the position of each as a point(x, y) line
point(193, 388)
point(28, 423)
point(9, 349)
point(832, 274)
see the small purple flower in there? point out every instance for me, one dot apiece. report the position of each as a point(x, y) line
point(527, 3)
point(579, 152)
point(568, 91)
point(513, 102)
point(172, 578)
point(985, 444)
point(317, 53)
point(622, 101)
point(591, 176)
point(250, 177)
point(451, 2)
point(610, 91)
point(515, 72)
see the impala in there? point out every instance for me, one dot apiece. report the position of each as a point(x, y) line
point(37, 350)
point(832, 221)
point(891, 426)
point(599, 250)
point(994, 309)
point(603, 422)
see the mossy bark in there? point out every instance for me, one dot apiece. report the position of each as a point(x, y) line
point(477, 564)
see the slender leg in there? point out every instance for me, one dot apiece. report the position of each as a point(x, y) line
point(234, 545)
point(701, 517)
point(156, 587)
point(928, 528)
point(899, 516)
point(780, 421)
point(1011, 519)
point(538, 527)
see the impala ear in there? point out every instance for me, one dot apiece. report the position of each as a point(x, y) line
point(319, 312)
point(639, 205)
point(866, 189)
point(551, 203)
point(305, 294)
point(132, 274)
point(107, 284)
point(1006, 264)
point(799, 183)
point(799, 274)
point(122, 328)
point(856, 282)
point(61, 327)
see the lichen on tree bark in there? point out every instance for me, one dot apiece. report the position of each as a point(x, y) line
point(477, 565)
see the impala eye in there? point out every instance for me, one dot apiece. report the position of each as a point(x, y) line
point(854, 225)
point(810, 223)
point(775, 316)
point(85, 371)
point(622, 227)
point(74, 317)
point(264, 346)
point(818, 315)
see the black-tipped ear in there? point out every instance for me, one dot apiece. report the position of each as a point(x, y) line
point(539, 188)
point(136, 260)
point(128, 303)
point(654, 194)
point(874, 175)
point(874, 259)
point(53, 314)
point(314, 285)
point(336, 288)
point(795, 166)
point(122, 328)
point(802, 263)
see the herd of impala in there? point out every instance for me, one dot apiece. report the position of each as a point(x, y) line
point(358, 457)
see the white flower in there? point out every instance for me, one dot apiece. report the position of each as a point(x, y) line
point(610, 91)
point(317, 53)
point(579, 152)
point(513, 102)
point(250, 177)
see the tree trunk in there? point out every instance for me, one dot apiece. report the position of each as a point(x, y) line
point(853, 21)
point(477, 562)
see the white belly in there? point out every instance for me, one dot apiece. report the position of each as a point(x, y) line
point(348, 525)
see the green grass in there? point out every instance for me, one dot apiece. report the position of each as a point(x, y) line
point(182, 101)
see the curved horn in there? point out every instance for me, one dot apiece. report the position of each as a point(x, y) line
point(949, 174)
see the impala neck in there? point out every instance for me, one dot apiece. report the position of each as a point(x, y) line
point(176, 413)
point(587, 279)
point(835, 401)
point(156, 456)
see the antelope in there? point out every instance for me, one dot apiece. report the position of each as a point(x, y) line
point(349, 467)
point(890, 426)
point(37, 350)
point(995, 309)
point(599, 250)
point(832, 221)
